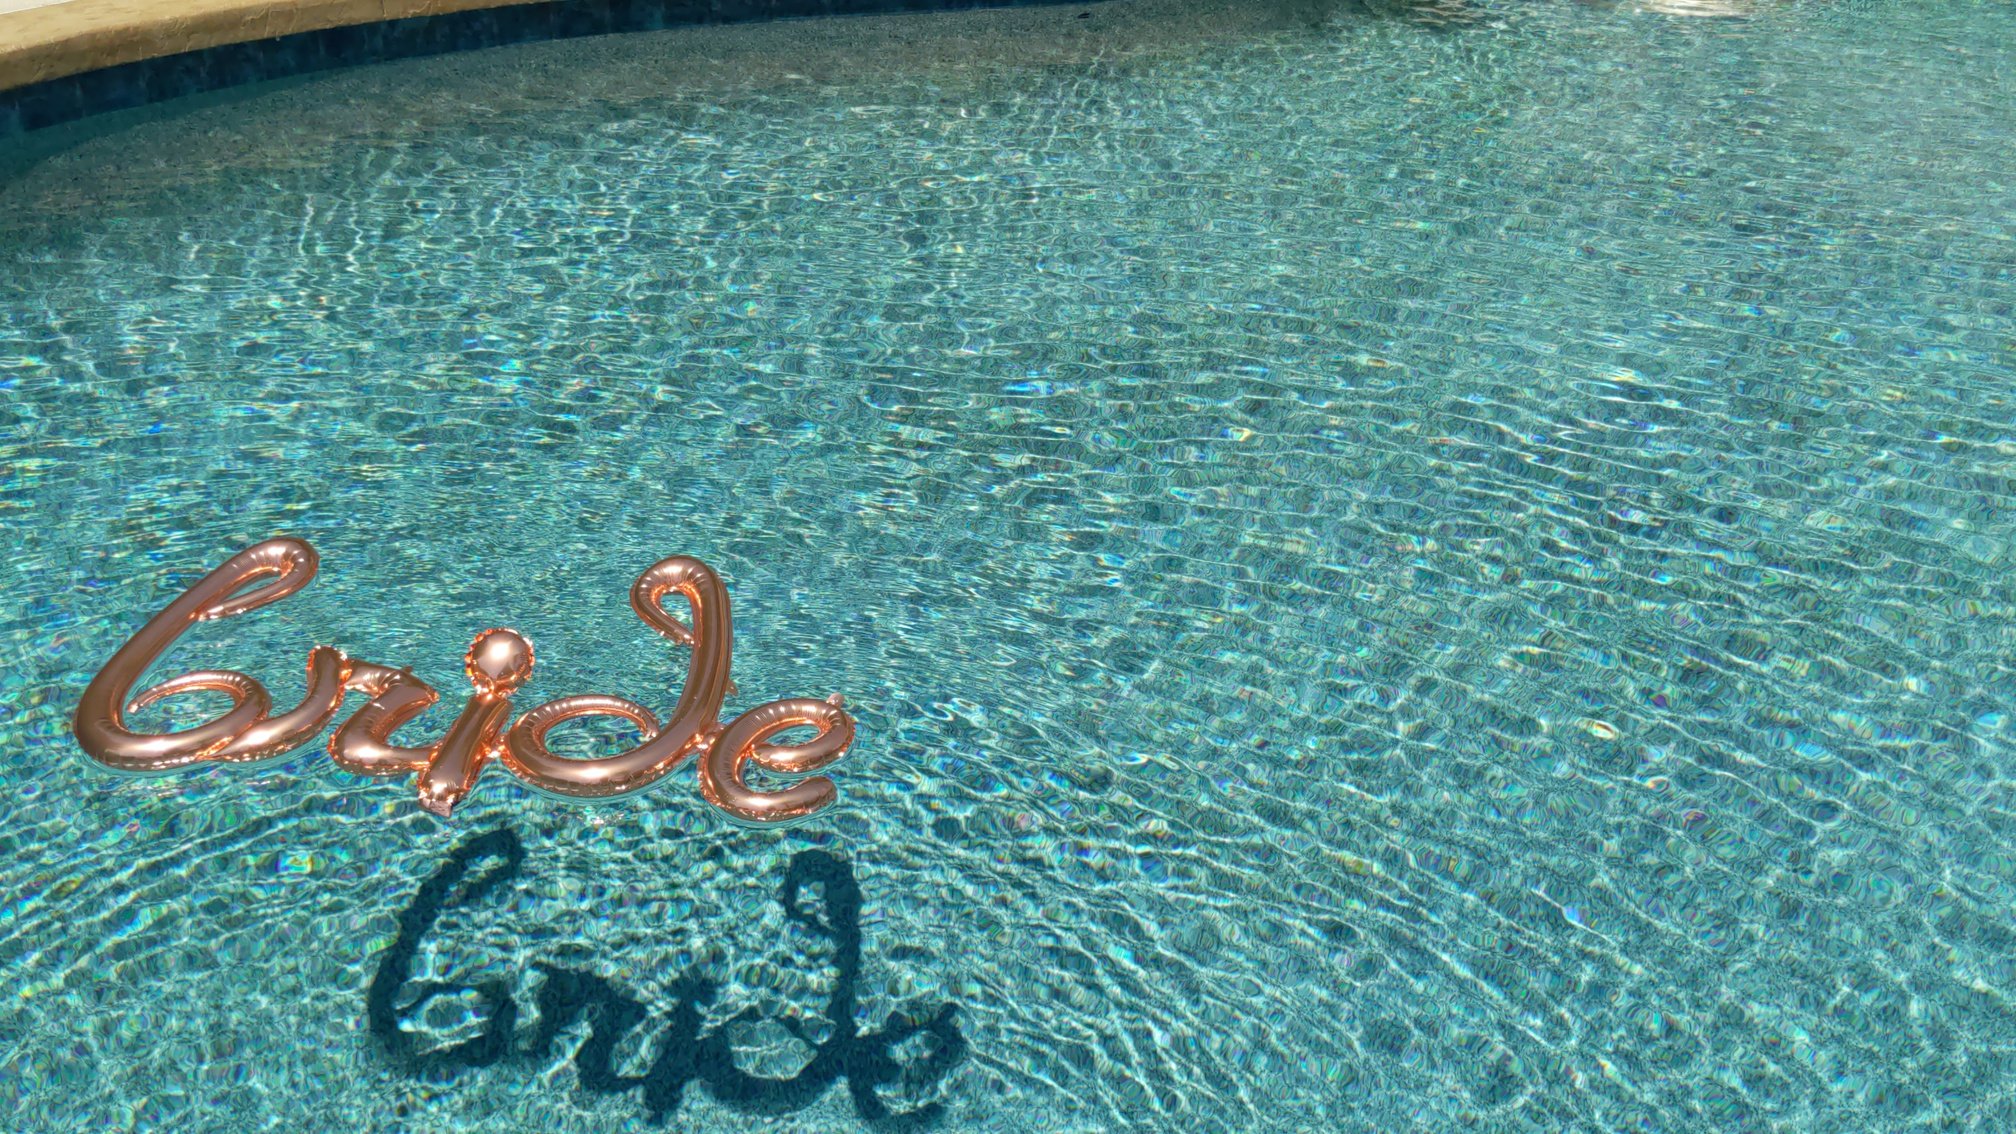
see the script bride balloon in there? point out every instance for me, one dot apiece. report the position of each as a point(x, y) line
point(499, 661)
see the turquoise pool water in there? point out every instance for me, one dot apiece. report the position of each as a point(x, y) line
point(1393, 577)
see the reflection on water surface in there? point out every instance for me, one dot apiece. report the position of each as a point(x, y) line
point(1393, 576)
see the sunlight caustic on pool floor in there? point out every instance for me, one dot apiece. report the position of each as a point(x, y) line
point(1393, 576)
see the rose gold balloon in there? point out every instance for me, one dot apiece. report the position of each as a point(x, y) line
point(694, 718)
point(647, 598)
point(498, 662)
point(363, 743)
point(245, 731)
point(740, 744)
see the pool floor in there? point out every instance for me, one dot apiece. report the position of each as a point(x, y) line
point(1393, 576)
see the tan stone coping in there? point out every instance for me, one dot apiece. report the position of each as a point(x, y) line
point(67, 37)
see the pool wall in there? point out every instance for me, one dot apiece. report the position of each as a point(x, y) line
point(66, 61)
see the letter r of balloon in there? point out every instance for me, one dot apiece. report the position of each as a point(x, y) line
point(498, 662)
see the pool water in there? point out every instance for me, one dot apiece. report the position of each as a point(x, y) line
point(1393, 576)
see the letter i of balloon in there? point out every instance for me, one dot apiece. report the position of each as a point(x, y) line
point(499, 661)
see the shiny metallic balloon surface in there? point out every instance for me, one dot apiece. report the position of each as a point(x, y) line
point(498, 663)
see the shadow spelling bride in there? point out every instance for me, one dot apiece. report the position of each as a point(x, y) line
point(498, 662)
point(684, 1053)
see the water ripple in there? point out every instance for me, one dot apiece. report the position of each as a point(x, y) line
point(1397, 573)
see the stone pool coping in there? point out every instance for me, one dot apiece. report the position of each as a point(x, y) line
point(69, 37)
point(64, 60)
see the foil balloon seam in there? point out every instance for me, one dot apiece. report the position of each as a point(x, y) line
point(499, 661)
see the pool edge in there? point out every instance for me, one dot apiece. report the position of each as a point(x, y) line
point(79, 58)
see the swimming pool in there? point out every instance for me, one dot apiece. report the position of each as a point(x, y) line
point(1392, 576)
